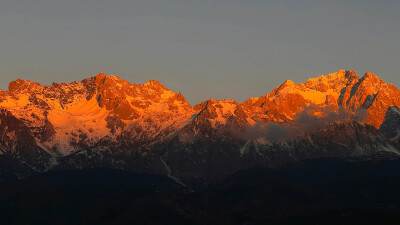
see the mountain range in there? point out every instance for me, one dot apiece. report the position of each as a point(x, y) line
point(105, 121)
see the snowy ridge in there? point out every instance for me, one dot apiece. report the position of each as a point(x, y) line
point(367, 98)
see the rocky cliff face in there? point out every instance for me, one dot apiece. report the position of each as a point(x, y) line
point(391, 125)
point(106, 121)
point(20, 154)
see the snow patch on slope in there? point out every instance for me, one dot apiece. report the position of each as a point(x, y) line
point(83, 116)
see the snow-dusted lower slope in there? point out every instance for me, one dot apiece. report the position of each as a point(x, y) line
point(391, 125)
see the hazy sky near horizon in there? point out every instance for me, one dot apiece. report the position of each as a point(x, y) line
point(205, 48)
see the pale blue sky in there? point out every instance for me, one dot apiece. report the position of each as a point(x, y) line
point(219, 49)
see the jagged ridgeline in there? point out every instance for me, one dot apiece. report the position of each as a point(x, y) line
point(104, 121)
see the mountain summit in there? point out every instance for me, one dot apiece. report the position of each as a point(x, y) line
point(367, 98)
point(105, 120)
